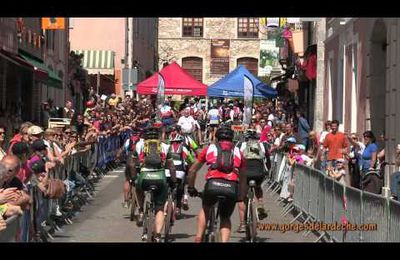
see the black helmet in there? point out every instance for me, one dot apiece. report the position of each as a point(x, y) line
point(224, 133)
point(151, 133)
point(251, 134)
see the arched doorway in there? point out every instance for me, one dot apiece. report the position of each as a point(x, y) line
point(377, 86)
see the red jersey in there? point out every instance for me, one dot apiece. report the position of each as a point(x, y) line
point(209, 155)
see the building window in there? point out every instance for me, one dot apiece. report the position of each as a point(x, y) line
point(248, 27)
point(194, 66)
point(251, 64)
point(192, 27)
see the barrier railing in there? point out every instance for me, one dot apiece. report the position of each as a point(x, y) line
point(79, 171)
point(9, 234)
point(349, 214)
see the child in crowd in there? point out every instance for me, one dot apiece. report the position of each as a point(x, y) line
point(338, 173)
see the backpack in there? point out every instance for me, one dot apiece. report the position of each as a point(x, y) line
point(132, 142)
point(152, 154)
point(253, 151)
point(224, 162)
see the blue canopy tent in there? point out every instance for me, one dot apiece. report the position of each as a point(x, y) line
point(232, 85)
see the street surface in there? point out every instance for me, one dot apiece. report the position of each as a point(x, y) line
point(104, 219)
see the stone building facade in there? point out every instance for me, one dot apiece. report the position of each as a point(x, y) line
point(174, 46)
point(362, 78)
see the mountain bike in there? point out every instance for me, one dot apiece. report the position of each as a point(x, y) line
point(133, 201)
point(169, 212)
point(149, 214)
point(212, 233)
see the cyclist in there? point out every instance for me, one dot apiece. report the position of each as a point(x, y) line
point(255, 157)
point(181, 157)
point(188, 125)
point(128, 148)
point(153, 158)
point(214, 120)
point(167, 116)
point(224, 160)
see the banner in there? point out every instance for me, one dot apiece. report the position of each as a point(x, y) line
point(269, 57)
point(248, 91)
point(160, 91)
point(219, 57)
point(53, 23)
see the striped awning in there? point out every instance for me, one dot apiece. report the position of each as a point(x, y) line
point(95, 61)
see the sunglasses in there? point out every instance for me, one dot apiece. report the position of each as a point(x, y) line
point(2, 133)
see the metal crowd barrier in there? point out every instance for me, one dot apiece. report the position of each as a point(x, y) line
point(97, 158)
point(9, 234)
point(317, 197)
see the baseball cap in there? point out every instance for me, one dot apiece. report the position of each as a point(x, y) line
point(38, 145)
point(35, 130)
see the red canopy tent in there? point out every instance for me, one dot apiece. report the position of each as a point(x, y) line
point(176, 80)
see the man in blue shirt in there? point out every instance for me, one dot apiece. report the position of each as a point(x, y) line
point(303, 128)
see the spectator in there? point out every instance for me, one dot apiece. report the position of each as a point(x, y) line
point(68, 110)
point(369, 155)
point(303, 128)
point(356, 151)
point(336, 143)
point(323, 154)
point(35, 132)
point(21, 150)
point(2, 136)
point(113, 100)
point(22, 136)
point(339, 173)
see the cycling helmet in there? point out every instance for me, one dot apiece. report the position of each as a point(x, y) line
point(291, 140)
point(90, 104)
point(151, 133)
point(224, 133)
point(176, 138)
point(251, 134)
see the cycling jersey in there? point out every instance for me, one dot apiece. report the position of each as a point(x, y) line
point(214, 117)
point(187, 124)
point(209, 155)
point(181, 156)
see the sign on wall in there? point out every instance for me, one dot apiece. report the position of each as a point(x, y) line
point(269, 57)
point(53, 23)
point(219, 57)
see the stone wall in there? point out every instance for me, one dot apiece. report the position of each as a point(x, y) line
point(172, 47)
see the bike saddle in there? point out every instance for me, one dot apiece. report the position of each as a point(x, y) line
point(221, 197)
point(153, 187)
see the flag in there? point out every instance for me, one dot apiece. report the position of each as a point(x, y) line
point(53, 23)
point(248, 92)
point(160, 91)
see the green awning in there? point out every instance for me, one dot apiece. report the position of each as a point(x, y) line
point(95, 61)
point(53, 80)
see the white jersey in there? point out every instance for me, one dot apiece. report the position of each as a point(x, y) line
point(214, 117)
point(187, 124)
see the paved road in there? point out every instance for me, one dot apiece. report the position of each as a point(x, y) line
point(104, 219)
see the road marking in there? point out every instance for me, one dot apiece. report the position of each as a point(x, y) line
point(111, 176)
point(119, 171)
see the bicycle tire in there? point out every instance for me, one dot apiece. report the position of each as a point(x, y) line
point(168, 218)
point(254, 221)
point(151, 218)
point(133, 204)
point(210, 235)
